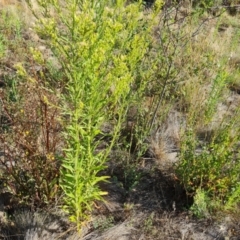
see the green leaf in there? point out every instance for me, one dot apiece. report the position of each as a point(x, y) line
point(68, 167)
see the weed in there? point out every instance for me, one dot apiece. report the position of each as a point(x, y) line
point(201, 205)
point(213, 168)
point(148, 223)
point(116, 63)
point(208, 163)
point(29, 133)
point(30, 145)
point(98, 45)
point(103, 223)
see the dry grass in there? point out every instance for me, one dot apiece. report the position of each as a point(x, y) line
point(200, 62)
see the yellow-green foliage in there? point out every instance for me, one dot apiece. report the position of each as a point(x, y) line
point(100, 45)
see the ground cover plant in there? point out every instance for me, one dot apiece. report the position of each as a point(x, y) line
point(110, 92)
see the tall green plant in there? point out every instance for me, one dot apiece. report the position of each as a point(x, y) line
point(100, 45)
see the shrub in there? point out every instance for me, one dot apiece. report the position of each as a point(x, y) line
point(208, 160)
point(100, 45)
point(209, 139)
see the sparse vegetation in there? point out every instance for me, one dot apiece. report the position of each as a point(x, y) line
point(142, 98)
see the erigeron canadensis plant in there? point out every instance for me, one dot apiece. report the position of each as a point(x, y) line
point(100, 45)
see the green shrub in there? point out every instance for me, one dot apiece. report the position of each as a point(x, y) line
point(209, 158)
point(212, 164)
point(100, 45)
